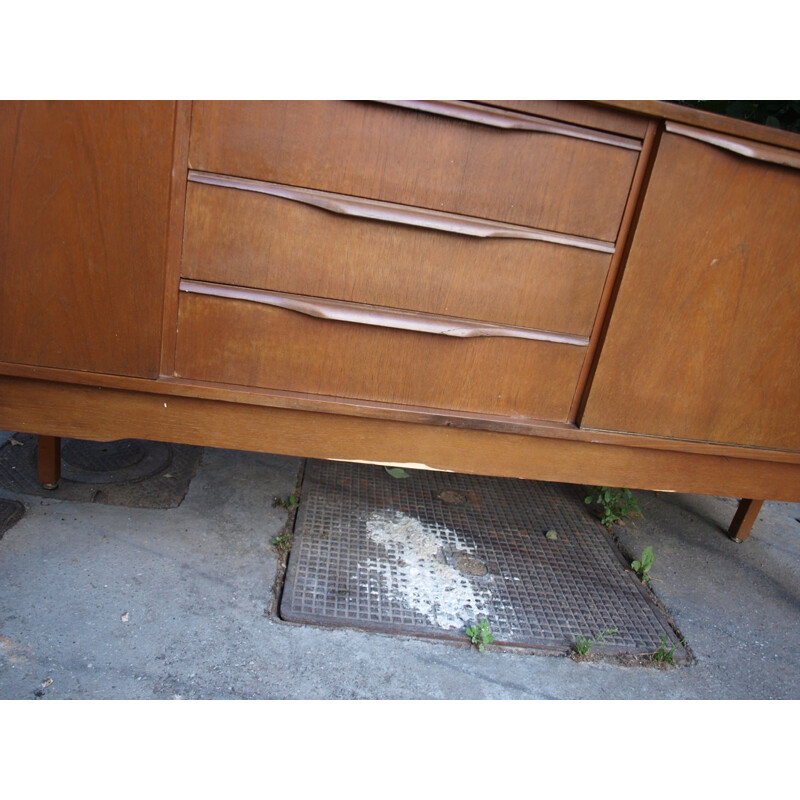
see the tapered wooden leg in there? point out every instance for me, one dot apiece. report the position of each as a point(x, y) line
point(744, 518)
point(49, 460)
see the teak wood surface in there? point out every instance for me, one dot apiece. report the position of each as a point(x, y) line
point(689, 381)
point(416, 415)
point(385, 153)
point(107, 414)
point(378, 316)
point(248, 344)
point(704, 337)
point(588, 114)
point(703, 120)
point(744, 519)
point(48, 460)
point(247, 239)
point(84, 213)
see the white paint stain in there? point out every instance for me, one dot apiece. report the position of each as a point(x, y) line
point(417, 571)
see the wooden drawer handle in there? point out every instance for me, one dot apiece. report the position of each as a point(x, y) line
point(362, 314)
point(400, 214)
point(510, 120)
point(742, 147)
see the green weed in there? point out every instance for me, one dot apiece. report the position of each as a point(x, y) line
point(283, 542)
point(583, 644)
point(642, 567)
point(291, 502)
point(616, 503)
point(664, 653)
point(480, 634)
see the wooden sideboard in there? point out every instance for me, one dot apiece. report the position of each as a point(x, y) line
point(597, 293)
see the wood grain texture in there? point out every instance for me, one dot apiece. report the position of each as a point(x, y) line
point(385, 153)
point(744, 519)
point(418, 415)
point(247, 344)
point(84, 204)
point(697, 384)
point(587, 114)
point(629, 217)
point(248, 239)
point(660, 110)
point(743, 147)
point(380, 210)
point(172, 275)
point(704, 337)
point(378, 316)
point(510, 120)
point(48, 461)
point(107, 414)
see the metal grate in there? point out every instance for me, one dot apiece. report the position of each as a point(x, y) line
point(432, 553)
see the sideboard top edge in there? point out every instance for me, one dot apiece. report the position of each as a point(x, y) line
point(661, 109)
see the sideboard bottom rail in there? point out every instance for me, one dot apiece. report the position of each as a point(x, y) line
point(59, 410)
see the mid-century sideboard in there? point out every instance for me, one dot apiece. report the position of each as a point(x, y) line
point(596, 293)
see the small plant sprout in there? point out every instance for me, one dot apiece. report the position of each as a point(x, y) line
point(616, 503)
point(291, 502)
point(583, 643)
point(283, 542)
point(643, 566)
point(664, 654)
point(480, 634)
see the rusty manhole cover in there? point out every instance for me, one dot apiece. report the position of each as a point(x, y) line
point(113, 462)
point(128, 472)
point(433, 553)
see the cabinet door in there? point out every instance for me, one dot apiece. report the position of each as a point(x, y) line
point(704, 338)
point(84, 200)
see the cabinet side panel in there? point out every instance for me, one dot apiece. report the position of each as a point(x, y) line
point(85, 207)
point(704, 338)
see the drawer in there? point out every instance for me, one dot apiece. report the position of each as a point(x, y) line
point(247, 238)
point(589, 115)
point(249, 344)
point(546, 178)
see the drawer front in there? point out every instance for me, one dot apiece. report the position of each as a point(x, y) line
point(249, 239)
point(538, 179)
point(587, 114)
point(247, 344)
